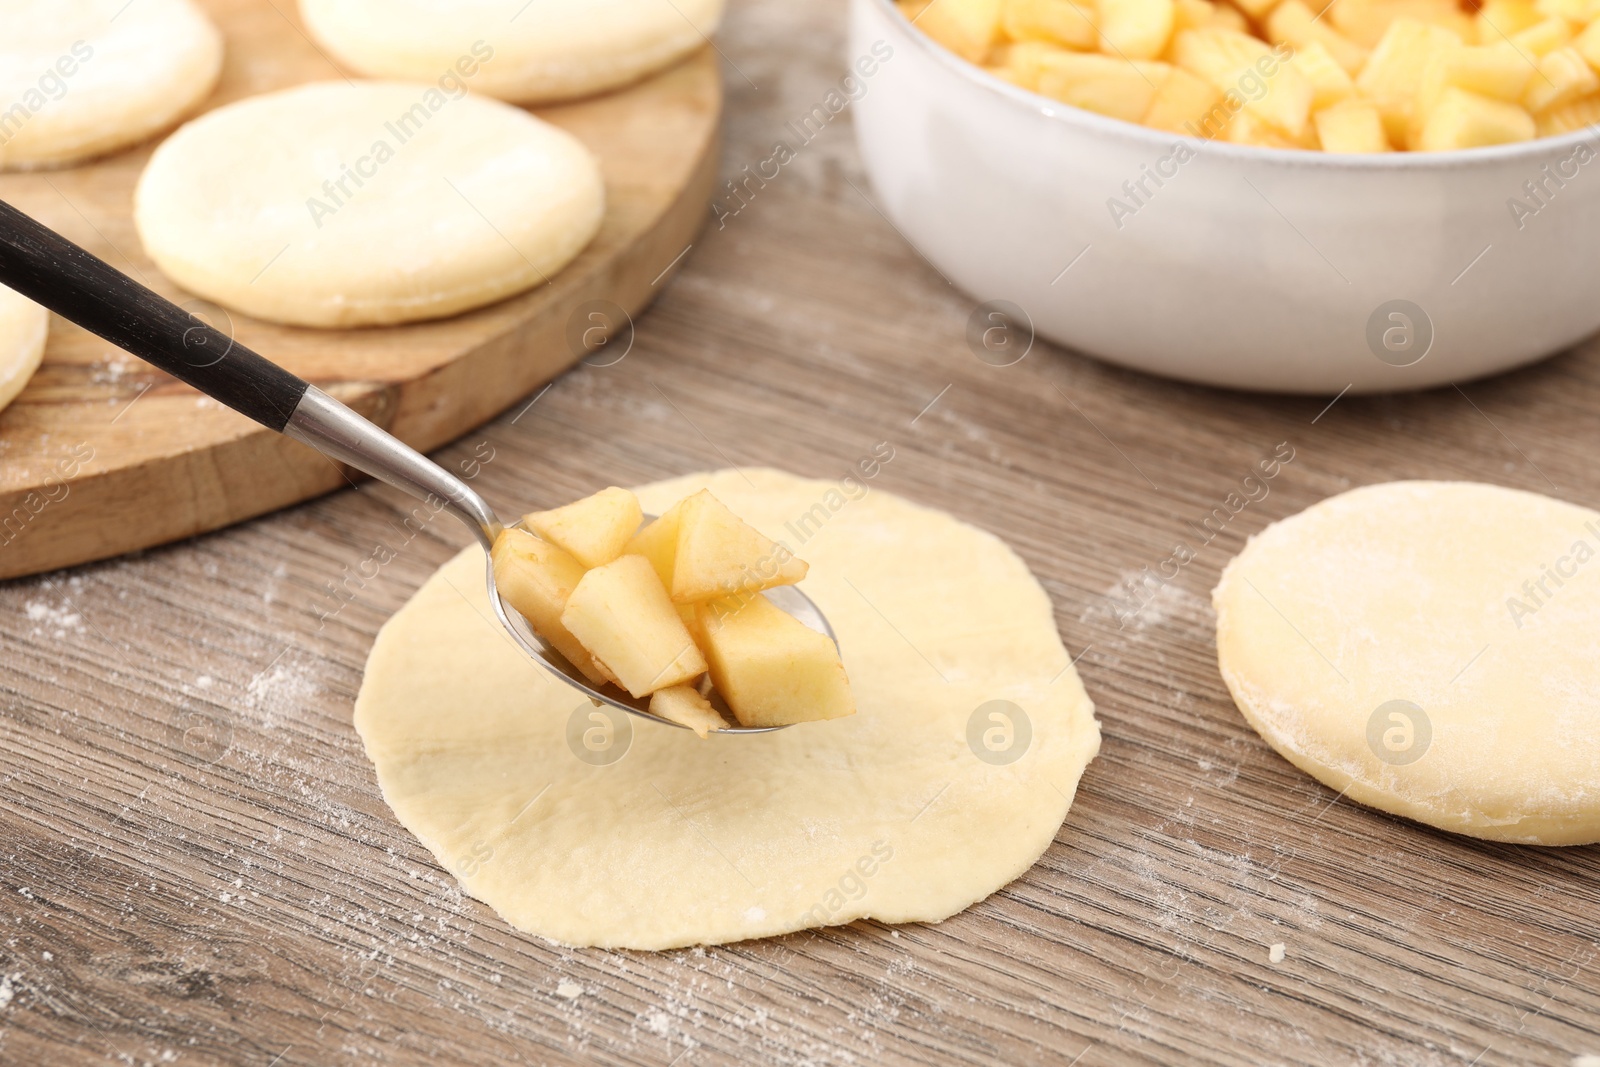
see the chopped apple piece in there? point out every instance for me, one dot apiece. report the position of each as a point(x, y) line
point(1393, 76)
point(595, 529)
point(1061, 22)
point(969, 28)
point(1366, 21)
point(771, 668)
point(1563, 76)
point(1135, 29)
point(1330, 84)
point(1572, 116)
point(1353, 127)
point(536, 578)
point(1293, 23)
point(1499, 19)
point(1467, 120)
point(1588, 44)
point(719, 554)
point(1245, 128)
point(1579, 11)
point(1106, 85)
point(685, 706)
point(621, 613)
point(1199, 14)
point(1274, 90)
point(1496, 70)
point(1544, 37)
point(1030, 61)
point(1182, 103)
point(658, 543)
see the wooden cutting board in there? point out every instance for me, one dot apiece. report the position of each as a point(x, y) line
point(103, 454)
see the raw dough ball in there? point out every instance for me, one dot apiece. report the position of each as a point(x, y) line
point(529, 52)
point(1433, 650)
point(23, 326)
point(368, 204)
point(892, 813)
point(79, 78)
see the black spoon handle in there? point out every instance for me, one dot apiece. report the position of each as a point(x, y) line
point(50, 270)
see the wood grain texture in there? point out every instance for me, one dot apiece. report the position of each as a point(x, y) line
point(195, 859)
point(127, 457)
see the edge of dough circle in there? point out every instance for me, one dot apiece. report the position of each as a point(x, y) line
point(339, 204)
point(541, 52)
point(1431, 649)
point(588, 829)
point(24, 327)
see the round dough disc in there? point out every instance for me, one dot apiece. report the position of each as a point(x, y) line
point(337, 204)
point(1431, 649)
point(530, 53)
point(889, 814)
point(23, 326)
point(79, 78)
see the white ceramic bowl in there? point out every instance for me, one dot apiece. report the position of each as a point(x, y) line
point(1246, 267)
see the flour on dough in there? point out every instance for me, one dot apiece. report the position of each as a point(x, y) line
point(79, 78)
point(1431, 649)
point(23, 327)
point(339, 204)
point(891, 814)
point(526, 51)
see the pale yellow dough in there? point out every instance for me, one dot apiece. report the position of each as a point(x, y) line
point(1476, 604)
point(79, 78)
point(23, 326)
point(685, 841)
point(338, 204)
point(541, 50)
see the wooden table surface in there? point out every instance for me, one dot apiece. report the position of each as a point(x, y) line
point(196, 866)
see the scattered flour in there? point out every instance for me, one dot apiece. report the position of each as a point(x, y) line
point(7, 991)
point(112, 372)
point(569, 989)
point(1276, 953)
point(57, 621)
point(282, 690)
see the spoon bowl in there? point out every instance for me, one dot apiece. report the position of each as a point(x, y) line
point(785, 597)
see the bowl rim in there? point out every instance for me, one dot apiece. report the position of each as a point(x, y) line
point(1160, 140)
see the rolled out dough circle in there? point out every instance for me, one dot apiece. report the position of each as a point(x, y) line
point(23, 328)
point(1431, 649)
point(339, 204)
point(538, 52)
point(889, 814)
point(79, 78)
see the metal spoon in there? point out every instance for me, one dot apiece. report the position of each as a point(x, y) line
point(50, 270)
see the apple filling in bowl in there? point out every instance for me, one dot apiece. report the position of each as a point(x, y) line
point(673, 611)
point(1350, 76)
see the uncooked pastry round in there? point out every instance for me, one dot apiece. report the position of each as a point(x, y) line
point(889, 814)
point(1431, 649)
point(338, 204)
point(528, 52)
point(23, 326)
point(79, 78)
